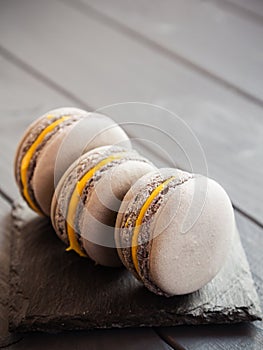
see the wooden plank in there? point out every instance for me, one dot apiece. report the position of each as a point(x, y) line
point(22, 99)
point(119, 339)
point(111, 67)
point(234, 337)
point(205, 34)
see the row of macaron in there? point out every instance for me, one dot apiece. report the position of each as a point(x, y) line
point(172, 229)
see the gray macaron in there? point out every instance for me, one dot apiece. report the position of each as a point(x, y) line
point(52, 143)
point(174, 231)
point(88, 197)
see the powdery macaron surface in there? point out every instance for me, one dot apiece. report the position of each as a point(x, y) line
point(184, 235)
point(88, 197)
point(52, 143)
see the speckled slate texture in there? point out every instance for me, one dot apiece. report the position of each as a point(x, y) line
point(54, 290)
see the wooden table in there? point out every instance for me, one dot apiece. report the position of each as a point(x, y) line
point(201, 59)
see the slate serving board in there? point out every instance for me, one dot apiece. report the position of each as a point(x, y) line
point(54, 290)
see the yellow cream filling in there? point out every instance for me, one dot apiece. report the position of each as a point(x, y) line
point(29, 154)
point(73, 242)
point(139, 219)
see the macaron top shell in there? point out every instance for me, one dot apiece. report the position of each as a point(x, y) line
point(199, 250)
point(94, 131)
point(184, 235)
point(102, 176)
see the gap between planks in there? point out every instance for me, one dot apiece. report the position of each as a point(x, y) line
point(172, 342)
point(6, 197)
point(244, 11)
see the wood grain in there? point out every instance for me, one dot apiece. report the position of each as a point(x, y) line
point(133, 72)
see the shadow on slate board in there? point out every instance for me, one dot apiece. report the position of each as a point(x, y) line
point(54, 290)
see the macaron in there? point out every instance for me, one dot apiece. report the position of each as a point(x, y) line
point(87, 199)
point(174, 231)
point(52, 143)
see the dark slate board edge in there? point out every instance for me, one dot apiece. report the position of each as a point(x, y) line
point(9, 340)
point(16, 294)
point(48, 324)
